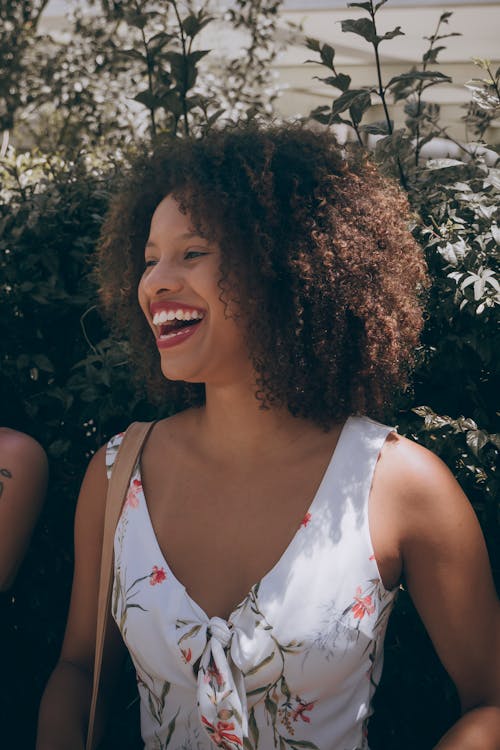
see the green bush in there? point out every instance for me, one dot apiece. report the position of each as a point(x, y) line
point(65, 381)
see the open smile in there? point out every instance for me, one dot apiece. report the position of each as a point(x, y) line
point(174, 322)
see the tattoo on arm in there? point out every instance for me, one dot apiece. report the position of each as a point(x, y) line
point(4, 473)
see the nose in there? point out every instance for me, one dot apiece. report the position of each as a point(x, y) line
point(164, 276)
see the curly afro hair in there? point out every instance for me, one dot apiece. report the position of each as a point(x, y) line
point(318, 249)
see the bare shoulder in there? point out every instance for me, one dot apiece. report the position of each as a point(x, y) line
point(423, 490)
point(94, 487)
point(22, 450)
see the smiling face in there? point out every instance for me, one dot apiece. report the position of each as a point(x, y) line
point(198, 339)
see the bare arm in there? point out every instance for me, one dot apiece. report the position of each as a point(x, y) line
point(23, 483)
point(65, 704)
point(449, 579)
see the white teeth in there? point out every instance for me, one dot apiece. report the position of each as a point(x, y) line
point(161, 317)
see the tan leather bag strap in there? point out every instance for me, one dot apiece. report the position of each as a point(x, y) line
point(124, 464)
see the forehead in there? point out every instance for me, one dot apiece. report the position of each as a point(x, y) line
point(169, 221)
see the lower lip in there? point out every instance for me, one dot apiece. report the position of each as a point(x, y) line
point(178, 338)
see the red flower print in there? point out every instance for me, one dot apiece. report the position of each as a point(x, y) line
point(221, 732)
point(214, 674)
point(299, 711)
point(305, 520)
point(132, 500)
point(157, 575)
point(362, 605)
point(186, 654)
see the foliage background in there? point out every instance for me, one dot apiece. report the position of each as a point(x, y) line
point(68, 129)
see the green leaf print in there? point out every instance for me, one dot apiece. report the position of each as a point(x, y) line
point(271, 708)
point(253, 728)
point(285, 689)
point(194, 630)
point(171, 728)
point(261, 664)
point(259, 690)
point(302, 743)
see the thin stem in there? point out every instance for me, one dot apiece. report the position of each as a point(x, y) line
point(184, 82)
point(381, 92)
point(150, 70)
point(381, 89)
point(149, 64)
point(82, 325)
point(420, 90)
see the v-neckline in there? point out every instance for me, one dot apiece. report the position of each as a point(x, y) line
point(170, 574)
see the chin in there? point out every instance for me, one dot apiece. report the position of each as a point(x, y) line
point(177, 374)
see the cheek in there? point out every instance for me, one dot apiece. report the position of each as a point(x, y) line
point(142, 299)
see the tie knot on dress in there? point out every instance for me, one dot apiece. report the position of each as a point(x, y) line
point(220, 630)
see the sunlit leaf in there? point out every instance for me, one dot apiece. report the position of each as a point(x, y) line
point(362, 27)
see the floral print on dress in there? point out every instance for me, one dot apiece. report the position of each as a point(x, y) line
point(306, 519)
point(133, 494)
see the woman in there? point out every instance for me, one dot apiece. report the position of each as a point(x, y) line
point(267, 525)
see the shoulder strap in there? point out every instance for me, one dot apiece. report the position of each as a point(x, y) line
point(124, 464)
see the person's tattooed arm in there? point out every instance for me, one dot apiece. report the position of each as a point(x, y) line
point(23, 483)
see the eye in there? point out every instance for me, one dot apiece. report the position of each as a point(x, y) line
point(193, 254)
point(150, 262)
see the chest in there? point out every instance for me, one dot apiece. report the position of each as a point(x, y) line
point(222, 529)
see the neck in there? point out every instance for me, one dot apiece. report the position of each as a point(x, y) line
point(233, 424)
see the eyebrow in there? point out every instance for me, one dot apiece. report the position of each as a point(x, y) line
point(183, 236)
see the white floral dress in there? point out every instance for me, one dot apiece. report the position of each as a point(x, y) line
point(297, 662)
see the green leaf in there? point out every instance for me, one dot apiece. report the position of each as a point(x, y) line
point(137, 20)
point(327, 55)
point(158, 41)
point(147, 98)
point(191, 25)
point(132, 53)
point(443, 18)
point(348, 99)
point(362, 27)
point(341, 81)
point(313, 44)
point(171, 102)
point(364, 6)
point(420, 75)
point(359, 106)
point(376, 128)
point(391, 34)
point(431, 55)
point(476, 440)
